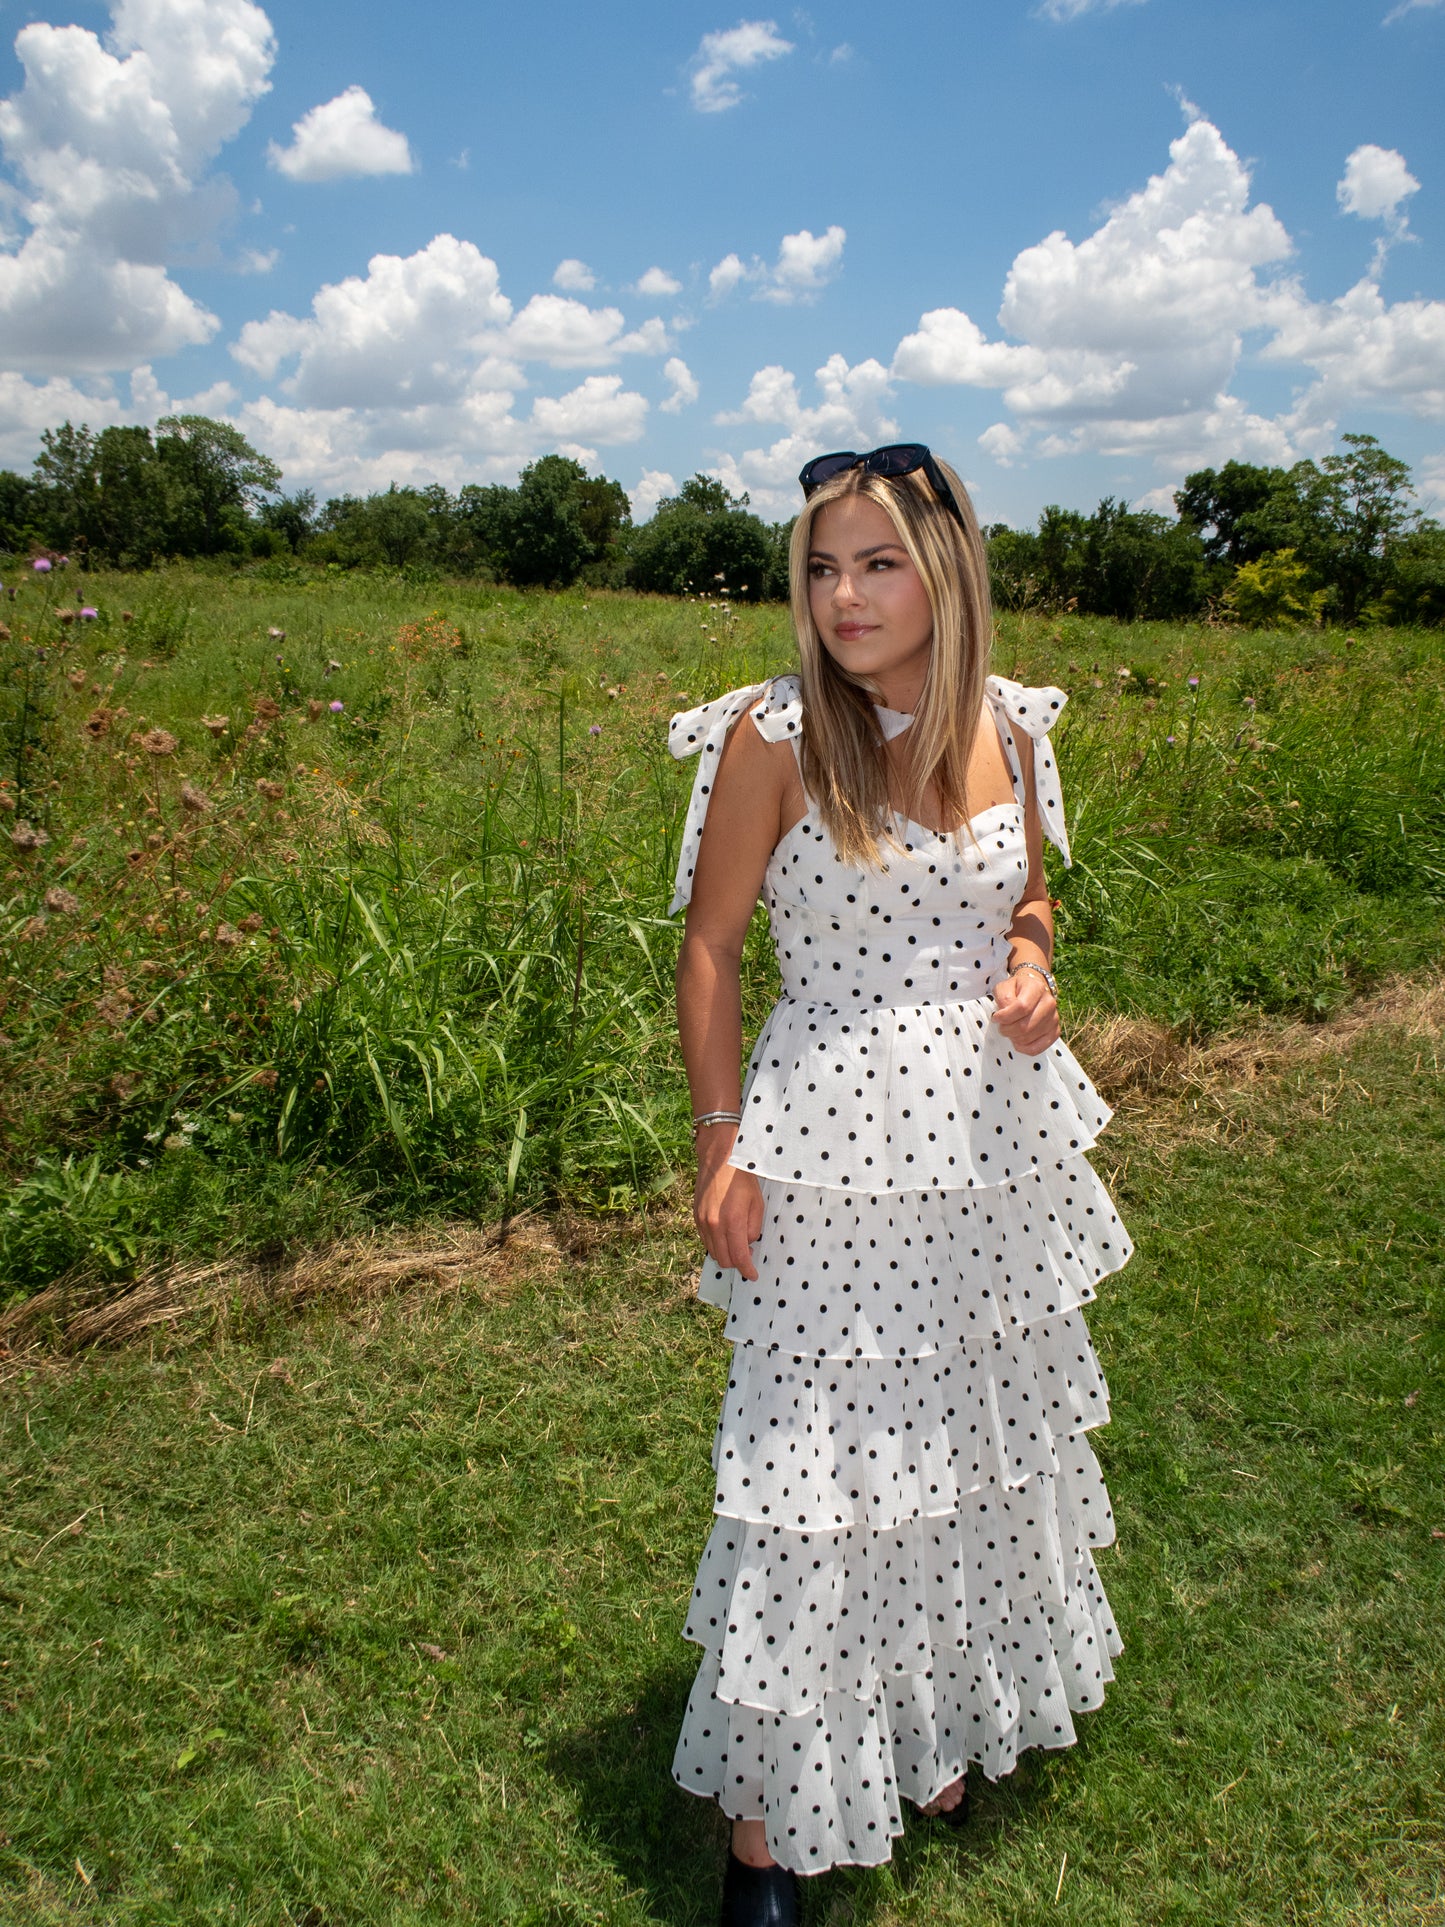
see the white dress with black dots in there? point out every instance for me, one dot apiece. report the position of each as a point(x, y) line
point(900, 1578)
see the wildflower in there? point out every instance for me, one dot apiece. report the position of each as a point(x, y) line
point(216, 724)
point(126, 616)
point(251, 923)
point(1193, 682)
point(273, 792)
point(194, 800)
point(276, 635)
point(88, 614)
point(1171, 740)
point(596, 730)
point(332, 667)
point(1123, 674)
point(32, 928)
point(337, 707)
point(26, 839)
point(159, 742)
point(1249, 702)
point(41, 565)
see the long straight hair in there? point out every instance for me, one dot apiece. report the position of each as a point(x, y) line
point(844, 767)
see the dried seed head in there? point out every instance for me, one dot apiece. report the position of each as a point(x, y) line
point(276, 635)
point(98, 722)
point(315, 709)
point(216, 724)
point(63, 902)
point(266, 708)
point(7, 802)
point(227, 935)
point(31, 928)
point(135, 858)
point(159, 742)
point(27, 839)
point(65, 615)
point(126, 616)
point(76, 679)
point(251, 923)
point(273, 792)
point(267, 1079)
point(4, 632)
point(194, 800)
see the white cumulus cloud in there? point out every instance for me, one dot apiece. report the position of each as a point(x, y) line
point(729, 52)
point(682, 383)
point(342, 139)
point(574, 276)
point(657, 283)
point(653, 487)
point(852, 412)
point(599, 409)
point(112, 140)
point(1375, 185)
point(806, 263)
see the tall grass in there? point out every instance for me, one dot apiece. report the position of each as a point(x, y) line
point(306, 966)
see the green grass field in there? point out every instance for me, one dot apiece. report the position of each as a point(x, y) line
point(368, 1611)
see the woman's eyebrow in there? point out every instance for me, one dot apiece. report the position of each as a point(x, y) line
point(861, 555)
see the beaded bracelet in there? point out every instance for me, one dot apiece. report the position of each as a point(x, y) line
point(1047, 975)
point(716, 1117)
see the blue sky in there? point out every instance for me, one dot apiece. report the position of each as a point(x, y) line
point(1080, 246)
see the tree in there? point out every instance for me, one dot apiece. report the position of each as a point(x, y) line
point(219, 480)
point(133, 516)
point(1242, 511)
point(1362, 507)
point(66, 484)
point(291, 516)
point(1273, 592)
point(703, 538)
point(18, 507)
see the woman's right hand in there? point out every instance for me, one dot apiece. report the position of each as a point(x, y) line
point(727, 1204)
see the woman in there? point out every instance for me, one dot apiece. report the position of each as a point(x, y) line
point(898, 1215)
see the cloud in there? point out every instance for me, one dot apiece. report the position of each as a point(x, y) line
point(1128, 340)
point(568, 334)
point(806, 263)
point(852, 413)
point(599, 408)
point(1003, 443)
point(1364, 351)
point(723, 54)
point(683, 384)
point(654, 486)
point(574, 276)
point(342, 139)
point(1409, 6)
point(657, 283)
point(1376, 182)
point(112, 142)
point(257, 260)
point(1062, 10)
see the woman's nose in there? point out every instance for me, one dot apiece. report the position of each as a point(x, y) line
point(845, 589)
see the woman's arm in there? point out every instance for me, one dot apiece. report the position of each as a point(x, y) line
point(741, 830)
point(1027, 1012)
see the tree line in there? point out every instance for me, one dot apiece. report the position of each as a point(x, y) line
point(1339, 540)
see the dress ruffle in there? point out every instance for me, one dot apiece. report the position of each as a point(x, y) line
point(919, 1097)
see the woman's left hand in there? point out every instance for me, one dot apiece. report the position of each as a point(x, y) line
point(1027, 1013)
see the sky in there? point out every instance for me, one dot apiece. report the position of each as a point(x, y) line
point(1080, 247)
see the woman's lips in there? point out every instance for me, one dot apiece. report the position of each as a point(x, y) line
point(850, 631)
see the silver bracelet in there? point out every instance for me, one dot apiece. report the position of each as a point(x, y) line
point(1047, 975)
point(716, 1117)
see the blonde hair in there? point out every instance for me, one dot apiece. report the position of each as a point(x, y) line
point(844, 770)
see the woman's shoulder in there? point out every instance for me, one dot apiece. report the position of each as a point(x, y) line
point(1033, 710)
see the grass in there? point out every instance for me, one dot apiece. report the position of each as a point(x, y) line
point(372, 1616)
point(281, 972)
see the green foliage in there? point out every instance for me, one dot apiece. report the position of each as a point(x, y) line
point(1272, 592)
point(703, 539)
point(1117, 562)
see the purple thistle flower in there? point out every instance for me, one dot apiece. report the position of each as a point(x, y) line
point(1194, 682)
point(337, 707)
point(596, 730)
point(41, 565)
point(89, 615)
point(1171, 740)
point(1249, 702)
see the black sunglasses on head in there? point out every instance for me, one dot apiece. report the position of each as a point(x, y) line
point(899, 458)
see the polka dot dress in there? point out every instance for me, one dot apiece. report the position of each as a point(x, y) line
point(900, 1576)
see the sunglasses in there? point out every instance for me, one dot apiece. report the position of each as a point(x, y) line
point(900, 458)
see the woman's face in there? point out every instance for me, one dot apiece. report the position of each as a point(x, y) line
point(868, 600)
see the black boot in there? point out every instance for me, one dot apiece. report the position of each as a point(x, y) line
point(759, 1896)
